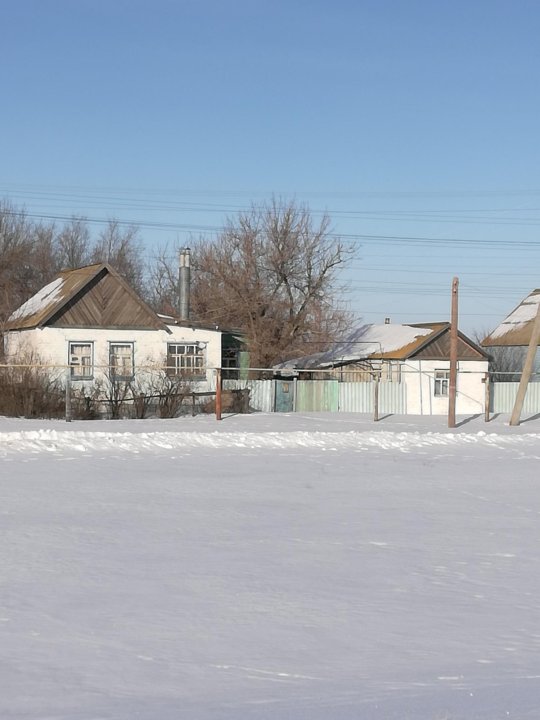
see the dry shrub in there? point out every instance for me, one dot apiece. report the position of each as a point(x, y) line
point(86, 403)
point(171, 391)
point(30, 391)
point(232, 401)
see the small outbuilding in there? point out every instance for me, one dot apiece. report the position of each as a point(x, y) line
point(415, 356)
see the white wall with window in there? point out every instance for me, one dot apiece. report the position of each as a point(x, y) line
point(186, 359)
point(428, 385)
point(90, 352)
point(441, 383)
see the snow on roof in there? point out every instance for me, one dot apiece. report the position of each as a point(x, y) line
point(518, 318)
point(364, 342)
point(379, 339)
point(41, 300)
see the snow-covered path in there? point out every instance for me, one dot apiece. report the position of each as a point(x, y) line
point(269, 568)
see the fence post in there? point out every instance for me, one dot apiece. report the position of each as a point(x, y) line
point(376, 398)
point(487, 396)
point(218, 394)
point(68, 395)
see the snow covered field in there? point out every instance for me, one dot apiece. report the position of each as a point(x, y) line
point(301, 567)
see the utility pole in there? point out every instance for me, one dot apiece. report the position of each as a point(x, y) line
point(376, 396)
point(527, 370)
point(453, 355)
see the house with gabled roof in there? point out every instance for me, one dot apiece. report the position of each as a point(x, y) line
point(417, 356)
point(92, 323)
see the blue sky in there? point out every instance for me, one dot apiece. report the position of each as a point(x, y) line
point(414, 124)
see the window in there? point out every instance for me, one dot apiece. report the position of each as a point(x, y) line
point(185, 359)
point(80, 360)
point(121, 361)
point(442, 380)
point(230, 363)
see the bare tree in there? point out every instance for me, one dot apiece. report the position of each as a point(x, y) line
point(32, 253)
point(164, 281)
point(121, 248)
point(73, 247)
point(16, 245)
point(505, 362)
point(273, 272)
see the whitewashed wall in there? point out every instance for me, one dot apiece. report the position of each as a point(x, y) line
point(419, 376)
point(51, 345)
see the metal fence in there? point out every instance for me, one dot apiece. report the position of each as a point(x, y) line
point(503, 397)
point(324, 396)
point(41, 390)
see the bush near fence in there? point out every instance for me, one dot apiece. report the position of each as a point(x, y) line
point(30, 392)
point(34, 390)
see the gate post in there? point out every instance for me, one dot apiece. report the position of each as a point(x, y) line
point(218, 394)
point(68, 395)
point(487, 396)
point(376, 398)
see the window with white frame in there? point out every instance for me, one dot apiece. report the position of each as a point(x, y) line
point(81, 361)
point(121, 366)
point(186, 359)
point(442, 383)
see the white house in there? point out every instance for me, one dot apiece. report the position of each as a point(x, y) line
point(90, 322)
point(416, 356)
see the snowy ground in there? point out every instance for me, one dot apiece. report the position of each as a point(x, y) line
point(301, 567)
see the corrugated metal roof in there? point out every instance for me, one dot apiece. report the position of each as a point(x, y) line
point(516, 328)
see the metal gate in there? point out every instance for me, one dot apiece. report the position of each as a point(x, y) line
point(284, 396)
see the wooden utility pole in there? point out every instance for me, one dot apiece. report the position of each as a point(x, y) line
point(453, 355)
point(487, 396)
point(527, 370)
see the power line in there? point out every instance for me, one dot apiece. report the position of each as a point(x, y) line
point(358, 237)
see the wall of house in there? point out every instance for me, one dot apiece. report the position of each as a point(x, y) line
point(51, 346)
point(419, 377)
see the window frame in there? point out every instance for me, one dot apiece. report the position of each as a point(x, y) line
point(75, 365)
point(441, 383)
point(113, 375)
point(174, 365)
